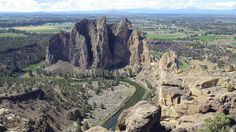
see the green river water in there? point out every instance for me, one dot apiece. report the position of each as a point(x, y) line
point(137, 96)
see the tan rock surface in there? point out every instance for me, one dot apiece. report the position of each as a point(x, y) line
point(141, 117)
point(97, 129)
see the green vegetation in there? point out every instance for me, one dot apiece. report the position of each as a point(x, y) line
point(208, 38)
point(45, 28)
point(165, 36)
point(230, 88)
point(156, 54)
point(85, 126)
point(39, 29)
point(18, 42)
point(78, 128)
point(34, 67)
point(183, 65)
point(233, 45)
point(11, 35)
point(138, 95)
point(219, 123)
point(44, 31)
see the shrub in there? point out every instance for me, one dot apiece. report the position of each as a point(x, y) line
point(78, 128)
point(219, 123)
point(230, 88)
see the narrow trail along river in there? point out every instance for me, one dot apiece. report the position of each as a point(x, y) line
point(137, 96)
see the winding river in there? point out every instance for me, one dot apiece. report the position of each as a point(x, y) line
point(137, 96)
point(111, 122)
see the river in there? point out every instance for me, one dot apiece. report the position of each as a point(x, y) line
point(137, 96)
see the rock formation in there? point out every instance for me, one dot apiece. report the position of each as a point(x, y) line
point(143, 117)
point(168, 61)
point(97, 129)
point(96, 44)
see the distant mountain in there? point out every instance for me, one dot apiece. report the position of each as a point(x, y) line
point(180, 11)
point(157, 11)
point(139, 11)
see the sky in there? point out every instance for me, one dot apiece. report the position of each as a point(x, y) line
point(85, 5)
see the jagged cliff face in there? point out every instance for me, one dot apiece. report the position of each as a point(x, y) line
point(96, 44)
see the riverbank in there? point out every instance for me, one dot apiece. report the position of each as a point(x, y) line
point(111, 100)
point(110, 123)
point(120, 107)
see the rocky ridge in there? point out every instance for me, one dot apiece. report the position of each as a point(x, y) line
point(96, 44)
point(184, 95)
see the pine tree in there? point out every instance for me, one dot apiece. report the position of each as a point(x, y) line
point(78, 128)
point(117, 78)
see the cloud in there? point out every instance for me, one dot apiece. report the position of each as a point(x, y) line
point(19, 5)
point(77, 5)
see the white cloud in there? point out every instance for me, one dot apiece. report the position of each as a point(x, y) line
point(73, 5)
point(19, 5)
point(219, 5)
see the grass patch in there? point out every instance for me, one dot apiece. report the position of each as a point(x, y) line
point(156, 54)
point(209, 38)
point(12, 35)
point(165, 36)
point(183, 65)
point(39, 29)
point(34, 67)
point(45, 31)
point(233, 45)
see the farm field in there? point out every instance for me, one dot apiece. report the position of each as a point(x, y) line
point(45, 28)
point(165, 36)
point(39, 29)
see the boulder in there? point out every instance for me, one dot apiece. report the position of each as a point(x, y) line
point(214, 106)
point(229, 68)
point(143, 117)
point(204, 108)
point(207, 82)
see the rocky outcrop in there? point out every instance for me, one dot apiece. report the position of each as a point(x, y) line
point(34, 94)
point(74, 114)
point(229, 68)
point(168, 61)
point(96, 44)
point(143, 117)
point(97, 129)
point(209, 83)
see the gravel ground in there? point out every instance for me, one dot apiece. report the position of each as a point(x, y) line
point(111, 100)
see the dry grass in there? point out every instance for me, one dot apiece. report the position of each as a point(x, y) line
point(40, 29)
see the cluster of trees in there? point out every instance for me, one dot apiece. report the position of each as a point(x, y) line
point(17, 53)
point(19, 58)
point(18, 42)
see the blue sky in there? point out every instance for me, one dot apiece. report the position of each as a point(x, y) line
point(78, 5)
